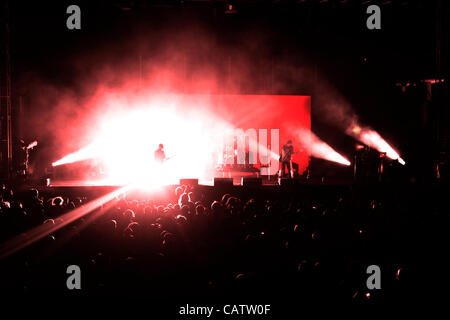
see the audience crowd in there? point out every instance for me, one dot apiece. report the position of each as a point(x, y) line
point(246, 243)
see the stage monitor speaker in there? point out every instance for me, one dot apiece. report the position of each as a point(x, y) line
point(223, 182)
point(189, 182)
point(251, 181)
point(288, 182)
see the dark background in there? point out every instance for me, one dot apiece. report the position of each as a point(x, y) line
point(317, 48)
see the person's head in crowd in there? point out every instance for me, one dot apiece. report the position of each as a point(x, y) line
point(216, 209)
point(185, 210)
point(33, 193)
point(181, 219)
point(132, 230)
point(111, 225)
point(232, 202)
point(57, 202)
point(199, 210)
point(225, 198)
point(49, 222)
point(169, 241)
point(178, 191)
point(129, 215)
point(184, 199)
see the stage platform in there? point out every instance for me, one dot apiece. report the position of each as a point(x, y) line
point(296, 188)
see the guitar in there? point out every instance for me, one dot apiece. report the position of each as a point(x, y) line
point(168, 158)
point(292, 153)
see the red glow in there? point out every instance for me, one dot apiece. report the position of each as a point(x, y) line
point(190, 126)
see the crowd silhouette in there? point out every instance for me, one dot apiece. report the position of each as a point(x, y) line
point(209, 243)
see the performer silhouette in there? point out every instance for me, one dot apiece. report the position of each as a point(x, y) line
point(286, 159)
point(160, 155)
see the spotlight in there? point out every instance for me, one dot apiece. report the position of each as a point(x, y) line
point(374, 140)
point(230, 8)
point(356, 130)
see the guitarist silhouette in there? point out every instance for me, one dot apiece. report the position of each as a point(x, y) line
point(286, 159)
point(160, 155)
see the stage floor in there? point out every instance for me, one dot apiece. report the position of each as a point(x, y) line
point(106, 182)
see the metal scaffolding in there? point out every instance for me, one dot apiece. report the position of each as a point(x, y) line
point(5, 94)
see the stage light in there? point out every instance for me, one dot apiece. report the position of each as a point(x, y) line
point(230, 8)
point(127, 130)
point(374, 140)
point(88, 152)
point(319, 148)
point(125, 142)
point(356, 130)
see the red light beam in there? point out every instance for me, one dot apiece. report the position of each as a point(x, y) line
point(373, 139)
point(320, 149)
